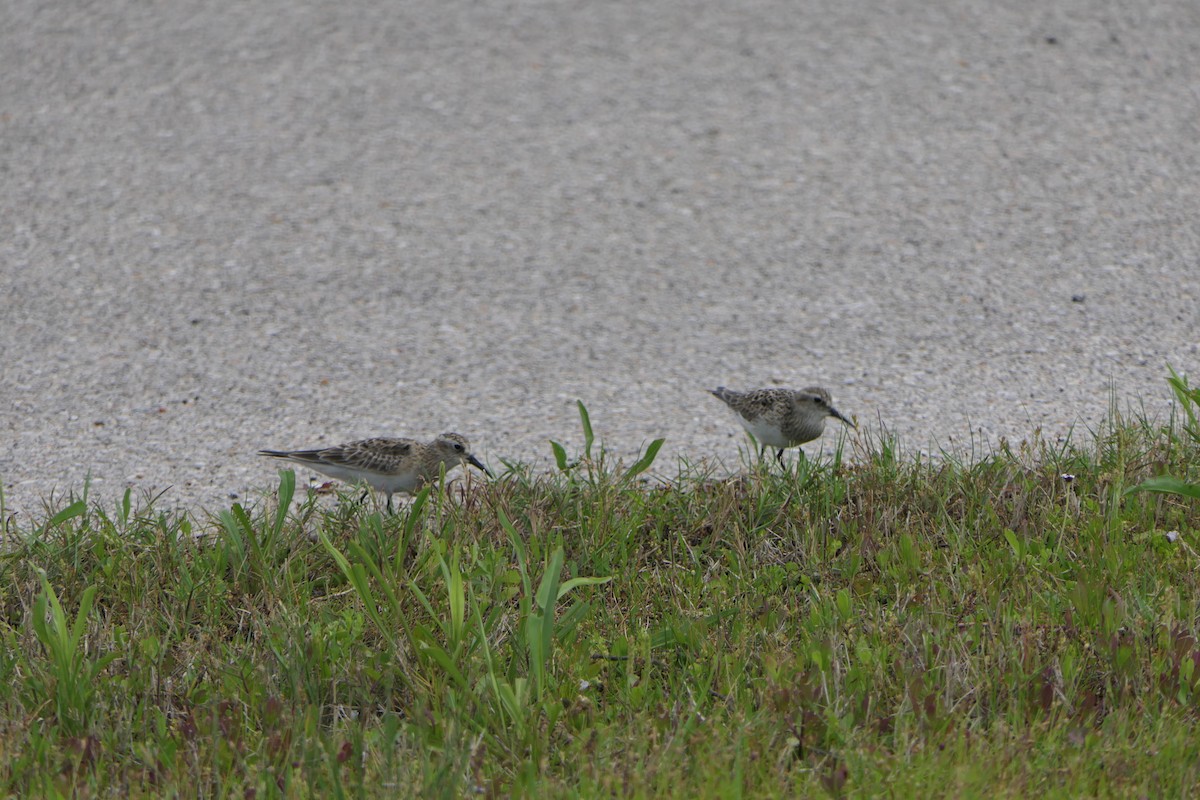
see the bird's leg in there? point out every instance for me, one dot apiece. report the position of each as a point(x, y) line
point(363, 499)
point(779, 456)
point(389, 504)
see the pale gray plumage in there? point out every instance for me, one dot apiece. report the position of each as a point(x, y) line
point(781, 418)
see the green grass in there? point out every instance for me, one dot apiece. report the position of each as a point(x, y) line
point(889, 627)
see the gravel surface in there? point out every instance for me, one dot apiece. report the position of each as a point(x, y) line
point(227, 226)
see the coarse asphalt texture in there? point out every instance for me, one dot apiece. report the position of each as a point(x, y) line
point(232, 226)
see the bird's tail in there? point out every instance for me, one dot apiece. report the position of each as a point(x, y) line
point(721, 393)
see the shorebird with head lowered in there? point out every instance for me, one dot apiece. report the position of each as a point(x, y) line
point(387, 465)
point(781, 418)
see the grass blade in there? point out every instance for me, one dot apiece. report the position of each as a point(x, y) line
point(287, 490)
point(76, 509)
point(1165, 484)
point(588, 437)
point(560, 456)
point(643, 463)
point(565, 588)
point(1189, 399)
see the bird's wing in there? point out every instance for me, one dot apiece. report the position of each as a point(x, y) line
point(377, 455)
point(760, 402)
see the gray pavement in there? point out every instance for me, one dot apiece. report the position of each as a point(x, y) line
point(226, 226)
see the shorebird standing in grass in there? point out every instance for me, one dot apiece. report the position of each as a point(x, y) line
point(387, 465)
point(781, 418)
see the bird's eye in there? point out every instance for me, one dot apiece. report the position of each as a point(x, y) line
point(458, 447)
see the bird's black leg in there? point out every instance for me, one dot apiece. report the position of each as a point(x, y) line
point(363, 499)
point(779, 456)
point(389, 502)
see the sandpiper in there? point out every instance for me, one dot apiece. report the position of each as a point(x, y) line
point(781, 418)
point(386, 465)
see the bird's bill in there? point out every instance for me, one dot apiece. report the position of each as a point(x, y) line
point(833, 412)
point(475, 462)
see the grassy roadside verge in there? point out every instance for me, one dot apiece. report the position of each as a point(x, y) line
point(1020, 625)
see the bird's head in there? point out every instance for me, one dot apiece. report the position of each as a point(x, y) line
point(455, 449)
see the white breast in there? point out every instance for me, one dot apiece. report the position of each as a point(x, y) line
point(403, 482)
point(764, 432)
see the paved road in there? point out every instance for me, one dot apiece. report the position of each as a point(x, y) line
point(226, 226)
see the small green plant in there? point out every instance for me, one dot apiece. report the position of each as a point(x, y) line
point(560, 452)
point(449, 625)
point(76, 509)
point(71, 676)
point(1189, 401)
point(1165, 484)
point(537, 610)
point(596, 467)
